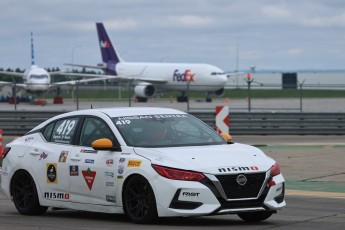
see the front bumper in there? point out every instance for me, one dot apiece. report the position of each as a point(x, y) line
point(209, 198)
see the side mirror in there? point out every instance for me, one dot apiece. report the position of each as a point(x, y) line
point(227, 137)
point(102, 144)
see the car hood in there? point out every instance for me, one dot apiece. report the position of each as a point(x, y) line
point(214, 159)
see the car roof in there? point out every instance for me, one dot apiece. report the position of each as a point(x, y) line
point(127, 111)
point(114, 112)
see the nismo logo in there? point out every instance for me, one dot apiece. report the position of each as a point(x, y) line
point(238, 169)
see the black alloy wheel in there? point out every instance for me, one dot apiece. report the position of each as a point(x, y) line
point(24, 194)
point(139, 200)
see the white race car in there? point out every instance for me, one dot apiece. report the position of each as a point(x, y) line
point(144, 162)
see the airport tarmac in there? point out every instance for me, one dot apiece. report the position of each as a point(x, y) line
point(335, 105)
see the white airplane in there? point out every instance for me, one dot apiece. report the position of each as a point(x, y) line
point(148, 78)
point(37, 80)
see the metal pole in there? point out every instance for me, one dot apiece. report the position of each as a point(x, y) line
point(187, 95)
point(77, 94)
point(301, 96)
point(129, 93)
point(249, 97)
point(15, 96)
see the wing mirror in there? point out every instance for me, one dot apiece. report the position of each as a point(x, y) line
point(103, 144)
point(227, 137)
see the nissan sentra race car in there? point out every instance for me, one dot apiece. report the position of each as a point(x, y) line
point(144, 162)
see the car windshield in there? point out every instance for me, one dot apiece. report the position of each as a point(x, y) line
point(166, 130)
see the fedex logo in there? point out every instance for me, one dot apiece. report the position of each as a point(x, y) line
point(105, 44)
point(187, 76)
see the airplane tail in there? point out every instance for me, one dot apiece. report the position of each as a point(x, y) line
point(32, 50)
point(109, 54)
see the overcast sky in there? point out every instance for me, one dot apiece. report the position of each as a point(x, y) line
point(271, 34)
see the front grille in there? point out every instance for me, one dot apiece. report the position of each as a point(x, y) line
point(235, 191)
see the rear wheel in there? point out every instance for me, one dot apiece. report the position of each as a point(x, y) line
point(139, 201)
point(24, 193)
point(255, 216)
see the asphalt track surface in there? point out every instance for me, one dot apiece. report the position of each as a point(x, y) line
point(312, 166)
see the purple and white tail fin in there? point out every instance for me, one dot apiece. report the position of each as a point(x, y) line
point(109, 55)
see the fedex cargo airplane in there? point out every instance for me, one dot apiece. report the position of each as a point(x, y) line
point(37, 80)
point(148, 77)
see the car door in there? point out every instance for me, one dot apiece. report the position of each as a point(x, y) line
point(51, 153)
point(92, 172)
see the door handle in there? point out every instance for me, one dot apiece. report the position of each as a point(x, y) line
point(34, 152)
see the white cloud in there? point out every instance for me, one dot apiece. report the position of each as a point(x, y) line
point(330, 21)
point(294, 52)
point(275, 11)
point(191, 20)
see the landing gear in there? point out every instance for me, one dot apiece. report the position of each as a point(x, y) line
point(182, 98)
point(208, 97)
point(141, 99)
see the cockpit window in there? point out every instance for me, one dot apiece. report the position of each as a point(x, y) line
point(35, 76)
point(217, 73)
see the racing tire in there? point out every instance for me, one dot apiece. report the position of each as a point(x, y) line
point(24, 195)
point(254, 216)
point(139, 201)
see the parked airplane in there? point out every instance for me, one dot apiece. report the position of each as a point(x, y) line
point(37, 80)
point(148, 78)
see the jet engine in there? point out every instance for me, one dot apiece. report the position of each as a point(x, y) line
point(219, 92)
point(144, 90)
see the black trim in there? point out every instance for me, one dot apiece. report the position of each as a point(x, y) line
point(178, 204)
point(280, 198)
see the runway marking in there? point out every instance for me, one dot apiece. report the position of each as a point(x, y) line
point(315, 193)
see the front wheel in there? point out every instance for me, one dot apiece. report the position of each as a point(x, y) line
point(139, 201)
point(24, 193)
point(255, 216)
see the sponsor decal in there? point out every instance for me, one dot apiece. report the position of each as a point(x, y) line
point(43, 156)
point(187, 76)
point(238, 169)
point(109, 184)
point(191, 194)
point(241, 179)
point(63, 156)
point(119, 177)
point(89, 161)
point(109, 162)
point(89, 177)
point(125, 154)
point(121, 169)
point(122, 160)
point(56, 195)
point(109, 174)
point(73, 170)
point(28, 139)
point(52, 173)
point(88, 151)
point(134, 163)
point(111, 199)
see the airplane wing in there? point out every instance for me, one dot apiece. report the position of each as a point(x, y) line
point(229, 74)
point(15, 74)
point(86, 66)
point(18, 85)
point(120, 78)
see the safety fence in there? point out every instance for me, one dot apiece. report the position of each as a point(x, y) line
point(241, 123)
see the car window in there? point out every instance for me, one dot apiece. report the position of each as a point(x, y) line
point(64, 130)
point(165, 130)
point(93, 129)
point(47, 133)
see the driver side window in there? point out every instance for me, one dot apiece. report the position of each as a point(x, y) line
point(93, 129)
